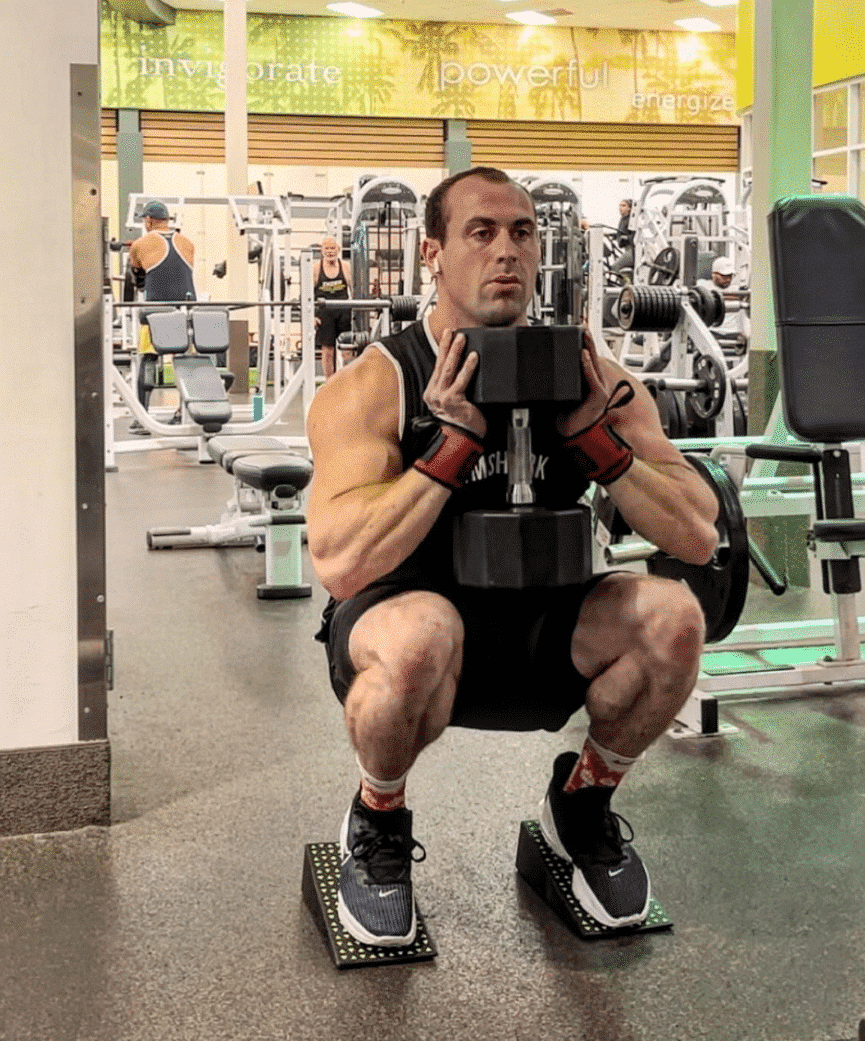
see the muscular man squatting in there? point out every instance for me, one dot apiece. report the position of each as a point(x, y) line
point(410, 652)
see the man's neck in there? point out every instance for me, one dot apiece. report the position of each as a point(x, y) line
point(440, 319)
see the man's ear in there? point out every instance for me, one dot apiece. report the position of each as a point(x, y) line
point(431, 250)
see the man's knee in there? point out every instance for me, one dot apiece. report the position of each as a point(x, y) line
point(674, 626)
point(413, 644)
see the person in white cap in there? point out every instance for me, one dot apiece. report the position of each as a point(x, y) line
point(735, 323)
point(723, 270)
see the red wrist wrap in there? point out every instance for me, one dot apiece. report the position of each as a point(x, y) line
point(600, 453)
point(451, 456)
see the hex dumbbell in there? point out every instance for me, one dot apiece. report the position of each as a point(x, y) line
point(533, 373)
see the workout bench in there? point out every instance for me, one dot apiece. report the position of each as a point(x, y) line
point(202, 390)
point(265, 511)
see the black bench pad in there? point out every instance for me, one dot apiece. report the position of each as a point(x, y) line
point(226, 450)
point(271, 469)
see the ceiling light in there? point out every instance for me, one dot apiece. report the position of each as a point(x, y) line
point(698, 25)
point(719, 3)
point(354, 10)
point(531, 18)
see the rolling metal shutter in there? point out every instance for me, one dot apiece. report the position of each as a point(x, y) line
point(604, 146)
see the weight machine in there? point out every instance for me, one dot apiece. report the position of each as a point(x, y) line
point(558, 300)
point(817, 420)
point(667, 210)
point(266, 221)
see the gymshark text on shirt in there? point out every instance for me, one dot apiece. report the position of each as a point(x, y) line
point(497, 463)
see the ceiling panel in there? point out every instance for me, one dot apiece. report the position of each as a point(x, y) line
point(617, 14)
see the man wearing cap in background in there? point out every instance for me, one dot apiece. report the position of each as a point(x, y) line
point(161, 261)
point(735, 323)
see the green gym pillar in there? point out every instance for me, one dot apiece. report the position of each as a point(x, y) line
point(458, 148)
point(781, 135)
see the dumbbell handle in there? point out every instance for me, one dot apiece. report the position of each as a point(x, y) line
point(520, 491)
point(628, 553)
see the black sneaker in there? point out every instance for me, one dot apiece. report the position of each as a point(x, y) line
point(610, 881)
point(376, 902)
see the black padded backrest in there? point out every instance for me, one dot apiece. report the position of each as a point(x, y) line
point(817, 248)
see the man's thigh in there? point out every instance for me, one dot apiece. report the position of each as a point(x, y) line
point(365, 613)
point(621, 615)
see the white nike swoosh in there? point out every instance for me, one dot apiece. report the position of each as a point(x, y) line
point(613, 874)
point(390, 892)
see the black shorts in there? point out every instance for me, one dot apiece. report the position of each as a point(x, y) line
point(517, 668)
point(332, 324)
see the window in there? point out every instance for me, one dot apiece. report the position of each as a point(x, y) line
point(833, 170)
point(839, 138)
point(830, 119)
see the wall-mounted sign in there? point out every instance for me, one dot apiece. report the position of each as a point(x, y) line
point(336, 66)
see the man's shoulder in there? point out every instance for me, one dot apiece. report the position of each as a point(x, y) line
point(367, 385)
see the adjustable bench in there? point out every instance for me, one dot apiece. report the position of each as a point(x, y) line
point(265, 511)
point(202, 391)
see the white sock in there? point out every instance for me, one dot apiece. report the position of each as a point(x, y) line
point(379, 794)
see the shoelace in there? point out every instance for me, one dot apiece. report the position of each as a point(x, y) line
point(613, 829)
point(393, 848)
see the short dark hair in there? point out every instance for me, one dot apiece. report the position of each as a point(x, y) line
point(435, 222)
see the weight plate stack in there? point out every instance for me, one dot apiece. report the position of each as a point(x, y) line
point(648, 308)
point(403, 308)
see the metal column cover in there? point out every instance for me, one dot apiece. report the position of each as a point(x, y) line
point(89, 435)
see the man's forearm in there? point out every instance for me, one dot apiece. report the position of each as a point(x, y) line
point(671, 506)
point(366, 532)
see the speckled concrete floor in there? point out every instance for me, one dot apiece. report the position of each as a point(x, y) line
point(184, 920)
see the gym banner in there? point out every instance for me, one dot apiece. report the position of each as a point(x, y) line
point(338, 66)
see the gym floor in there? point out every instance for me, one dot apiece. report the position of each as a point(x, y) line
point(184, 919)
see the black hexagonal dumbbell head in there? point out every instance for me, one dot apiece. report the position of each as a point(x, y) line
point(523, 548)
point(526, 365)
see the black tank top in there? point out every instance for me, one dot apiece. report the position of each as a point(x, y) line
point(171, 278)
point(557, 481)
point(331, 288)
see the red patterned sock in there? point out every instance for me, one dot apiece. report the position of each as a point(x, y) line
point(381, 795)
point(598, 767)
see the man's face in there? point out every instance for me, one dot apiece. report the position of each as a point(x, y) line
point(721, 281)
point(329, 249)
point(625, 208)
point(490, 258)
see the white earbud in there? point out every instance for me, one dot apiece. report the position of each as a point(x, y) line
point(436, 267)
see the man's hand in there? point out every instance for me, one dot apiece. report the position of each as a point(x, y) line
point(595, 404)
point(445, 394)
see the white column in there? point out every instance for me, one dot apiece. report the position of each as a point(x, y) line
point(38, 592)
point(236, 145)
